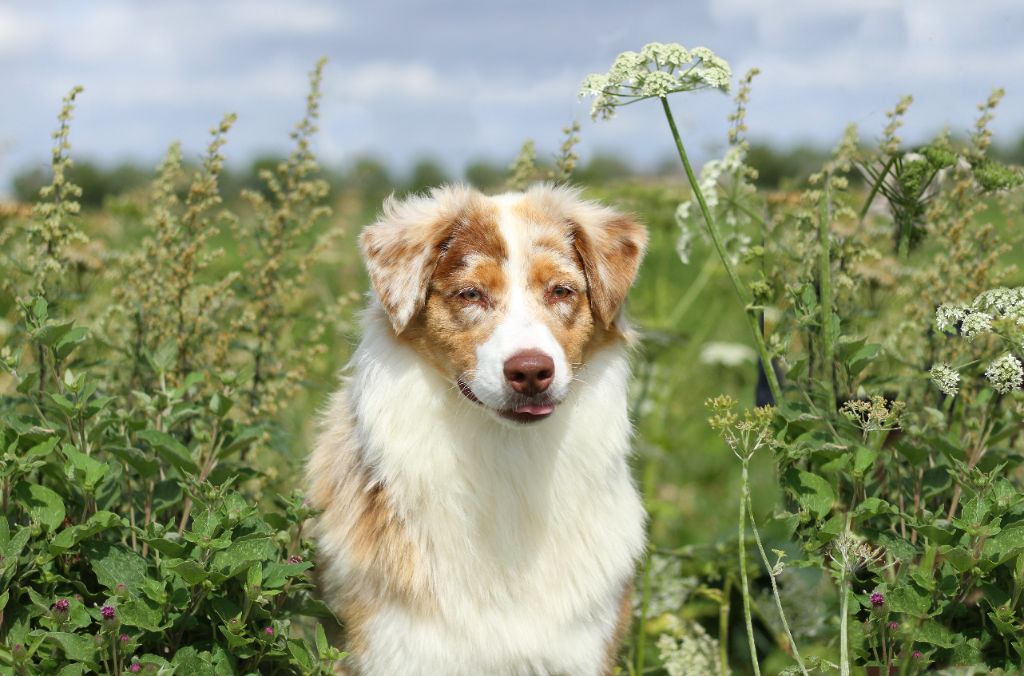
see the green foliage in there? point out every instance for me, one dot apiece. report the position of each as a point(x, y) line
point(135, 536)
point(903, 500)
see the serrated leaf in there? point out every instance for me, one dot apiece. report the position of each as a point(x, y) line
point(936, 634)
point(814, 493)
point(76, 648)
point(72, 535)
point(190, 571)
point(115, 564)
point(907, 598)
point(139, 613)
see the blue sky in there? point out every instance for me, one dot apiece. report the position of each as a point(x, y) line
point(458, 79)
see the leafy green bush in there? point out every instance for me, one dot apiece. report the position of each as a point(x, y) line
point(900, 491)
point(137, 535)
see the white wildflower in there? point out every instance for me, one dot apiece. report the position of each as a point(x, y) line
point(1006, 374)
point(662, 55)
point(626, 67)
point(684, 243)
point(946, 378)
point(658, 83)
point(975, 324)
point(658, 70)
point(727, 354)
point(948, 316)
point(694, 653)
point(713, 70)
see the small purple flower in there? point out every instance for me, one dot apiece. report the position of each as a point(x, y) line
point(269, 631)
point(917, 654)
point(295, 559)
point(894, 626)
point(135, 668)
point(877, 600)
point(108, 612)
point(61, 608)
point(124, 638)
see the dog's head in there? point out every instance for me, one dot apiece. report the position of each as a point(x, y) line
point(504, 295)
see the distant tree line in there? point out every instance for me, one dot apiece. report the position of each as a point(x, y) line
point(778, 168)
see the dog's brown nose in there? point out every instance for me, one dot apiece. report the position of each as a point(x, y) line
point(529, 372)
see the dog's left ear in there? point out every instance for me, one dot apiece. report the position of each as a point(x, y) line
point(402, 248)
point(611, 246)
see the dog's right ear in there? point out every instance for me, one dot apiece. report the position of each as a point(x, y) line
point(402, 248)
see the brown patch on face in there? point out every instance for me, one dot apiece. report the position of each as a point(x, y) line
point(449, 329)
point(570, 320)
point(611, 252)
point(403, 246)
point(621, 627)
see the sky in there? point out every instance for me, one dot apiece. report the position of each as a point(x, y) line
point(458, 80)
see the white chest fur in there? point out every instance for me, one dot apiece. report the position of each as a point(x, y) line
point(527, 534)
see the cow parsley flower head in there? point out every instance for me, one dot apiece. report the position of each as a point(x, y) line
point(946, 378)
point(694, 653)
point(657, 83)
point(947, 317)
point(975, 324)
point(1005, 374)
point(657, 70)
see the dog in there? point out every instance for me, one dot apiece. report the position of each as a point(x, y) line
point(477, 511)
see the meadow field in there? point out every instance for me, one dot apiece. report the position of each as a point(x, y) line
point(166, 348)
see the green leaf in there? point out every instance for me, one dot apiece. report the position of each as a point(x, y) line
point(814, 494)
point(907, 598)
point(171, 450)
point(76, 648)
point(190, 571)
point(72, 535)
point(43, 505)
point(934, 633)
point(1007, 544)
point(863, 460)
point(241, 554)
point(115, 564)
point(87, 470)
point(139, 613)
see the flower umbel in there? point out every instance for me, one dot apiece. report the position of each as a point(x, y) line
point(1005, 374)
point(946, 378)
point(657, 70)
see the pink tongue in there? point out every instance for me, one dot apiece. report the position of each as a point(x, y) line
point(535, 409)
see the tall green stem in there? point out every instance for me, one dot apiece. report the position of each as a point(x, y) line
point(716, 237)
point(825, 273)
point(775, 588)
point(844, 611)
point(723, 627)
point(744, 496)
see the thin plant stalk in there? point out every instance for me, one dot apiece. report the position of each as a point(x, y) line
point(874, 189)
point(723, 627)
point(825, 273)
point(744, 496)
point(775, 588)
point(844, 610)
point(716, 237)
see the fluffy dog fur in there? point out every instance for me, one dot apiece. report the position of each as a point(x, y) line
point(467, 528)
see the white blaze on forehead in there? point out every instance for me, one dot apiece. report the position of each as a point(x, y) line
point(522, 326)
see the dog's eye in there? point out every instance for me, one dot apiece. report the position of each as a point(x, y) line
point(471, 295)
point(560, 293)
